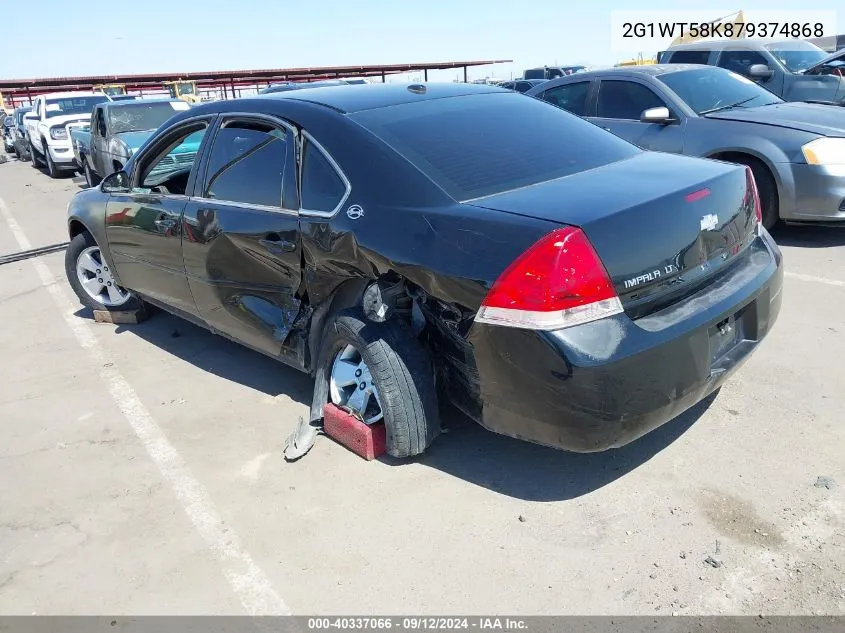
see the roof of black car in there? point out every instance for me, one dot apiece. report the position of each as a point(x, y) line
point(354, 98)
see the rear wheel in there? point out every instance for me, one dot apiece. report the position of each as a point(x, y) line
point(379, 371)
point(91, 278)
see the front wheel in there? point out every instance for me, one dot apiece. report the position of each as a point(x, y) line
point(36, 162)
point(380, 372)
point(91, 179)
point(767, 189)
point(91, 278)
point(52, 171)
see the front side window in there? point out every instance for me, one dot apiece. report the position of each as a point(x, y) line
point(570, 97)
point(169, 171)
point(705, 89)
point(322, 187)
point(71, 105)
point(739, 61)
point(99, 123)
point(247, 164)
point(625, 100)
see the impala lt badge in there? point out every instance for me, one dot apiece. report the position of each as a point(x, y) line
point(709, 222)
point(354, 212)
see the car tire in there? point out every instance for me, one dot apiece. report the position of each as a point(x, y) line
point(52, 171)
point(85, 246)
point(401, 372)
point(768, 192)
point(91, 179)
point(34, 156)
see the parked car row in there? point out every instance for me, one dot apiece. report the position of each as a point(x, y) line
point(795, 150)
point(409, 243)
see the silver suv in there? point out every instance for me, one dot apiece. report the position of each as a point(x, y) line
point(795, 70)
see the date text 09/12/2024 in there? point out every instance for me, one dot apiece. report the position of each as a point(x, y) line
point(633, 30)
point(417, 623)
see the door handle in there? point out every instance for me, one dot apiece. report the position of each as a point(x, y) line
point(276, 245)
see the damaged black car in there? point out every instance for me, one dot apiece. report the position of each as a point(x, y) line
point(408, 243)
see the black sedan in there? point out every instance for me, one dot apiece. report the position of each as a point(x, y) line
point(559, 284)
point(796, 150)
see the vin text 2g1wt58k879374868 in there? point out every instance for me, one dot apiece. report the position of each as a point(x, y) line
point(404, 243)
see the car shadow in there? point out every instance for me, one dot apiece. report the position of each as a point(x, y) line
point(465, 451)
point(219, 356)
point(530, 472)
point(810, 236)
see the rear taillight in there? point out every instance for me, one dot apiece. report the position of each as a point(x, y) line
point(558, 282)
point(752, 188)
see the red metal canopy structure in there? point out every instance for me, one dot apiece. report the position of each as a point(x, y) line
point(17, 91)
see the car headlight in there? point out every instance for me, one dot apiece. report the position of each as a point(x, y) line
point(58, 133)
point(825, 151)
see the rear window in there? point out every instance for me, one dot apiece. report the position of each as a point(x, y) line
point(481, 145)
point(72, 105)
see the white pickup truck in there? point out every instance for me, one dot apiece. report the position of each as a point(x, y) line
point(50, 122)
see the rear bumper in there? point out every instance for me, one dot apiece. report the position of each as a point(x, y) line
point(604, 384)
point(819, 193)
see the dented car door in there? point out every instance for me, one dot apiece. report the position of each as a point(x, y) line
point(241, 243)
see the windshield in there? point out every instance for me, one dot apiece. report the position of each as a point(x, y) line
point(796, 56)
point(705, 89)
point(72, 105)
point(484, 144)
point(8, 121)
point(136, 117)
point(20, 115)
point(185, 88)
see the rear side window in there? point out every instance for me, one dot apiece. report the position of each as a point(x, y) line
point(246, 164)
point(686, 57)
point(479, 145)
point(322, 187)
point(570, 97)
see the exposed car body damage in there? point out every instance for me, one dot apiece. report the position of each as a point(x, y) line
point(438, 243)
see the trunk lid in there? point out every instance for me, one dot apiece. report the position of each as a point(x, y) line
point(664, 225)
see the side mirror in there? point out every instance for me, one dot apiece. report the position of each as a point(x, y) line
point(118, 182)
point(31, 116)
point(656, 115)
point(760, 71)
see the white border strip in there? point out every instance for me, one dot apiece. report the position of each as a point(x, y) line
point(248, 581)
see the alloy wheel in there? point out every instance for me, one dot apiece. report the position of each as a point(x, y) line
point(351, 385)
point(97, 281)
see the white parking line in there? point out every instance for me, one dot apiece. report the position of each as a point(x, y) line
point(249, 582)
point(813, 278)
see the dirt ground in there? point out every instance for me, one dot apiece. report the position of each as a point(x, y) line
point(142, 473)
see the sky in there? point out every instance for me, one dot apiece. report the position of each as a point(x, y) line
point(147, 36)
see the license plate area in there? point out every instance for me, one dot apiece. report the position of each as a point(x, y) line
point(724, 336)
